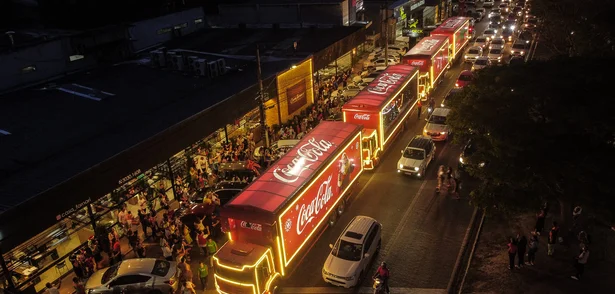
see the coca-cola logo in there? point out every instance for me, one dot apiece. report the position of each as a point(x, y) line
point(307, 155)
point(307, 213)
point(363, 116)
point(417, 62)
point(384, 83)
point(451, 23)
point(427, 44)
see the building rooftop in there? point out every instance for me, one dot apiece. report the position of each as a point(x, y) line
point(54, 132)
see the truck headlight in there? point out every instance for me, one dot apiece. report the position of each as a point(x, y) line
point(401, 166)
point(442, 133)
point(416, 169)
point(461, 159)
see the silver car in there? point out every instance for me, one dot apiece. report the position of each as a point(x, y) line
point(473, 53)
point(139, 275)
point(490, 34)
point(497, 43)
point(481, 42)
point(496, 55)
point(481, 63)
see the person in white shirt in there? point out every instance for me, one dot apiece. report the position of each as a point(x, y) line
point(52, 289)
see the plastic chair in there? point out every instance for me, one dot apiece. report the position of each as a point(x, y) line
point(61, 266)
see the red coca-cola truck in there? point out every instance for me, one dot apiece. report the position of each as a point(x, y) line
point(381, 108)
point(458, 30)
point(431, 56)
point(272, 223)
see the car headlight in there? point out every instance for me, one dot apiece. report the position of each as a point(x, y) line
point(482, 164)
point(499, 57)
point(416, 169)
point(401, 166)
point(442, 104)
point(461, 159)
point(424, 131)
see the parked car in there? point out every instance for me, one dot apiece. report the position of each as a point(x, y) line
point(494, 11)
point(473, 53)
point(139, 275)
point(348, 263)
point(496, 55)
point(481, 63)
point(417, 156)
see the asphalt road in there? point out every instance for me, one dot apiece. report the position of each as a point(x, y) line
point(422, 231)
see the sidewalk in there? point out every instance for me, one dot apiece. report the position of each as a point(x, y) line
point(489, 271)
point(153, 250)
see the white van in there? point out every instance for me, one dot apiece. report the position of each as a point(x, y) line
point(352, 254)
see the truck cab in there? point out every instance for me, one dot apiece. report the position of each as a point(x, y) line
point(245, 268)
point(370, 150)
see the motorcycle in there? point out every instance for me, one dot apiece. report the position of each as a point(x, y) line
point(378, 286)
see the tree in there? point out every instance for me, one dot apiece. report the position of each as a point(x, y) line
point(576, 28)
point(544, 129)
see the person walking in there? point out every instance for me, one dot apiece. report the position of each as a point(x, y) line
point(512, 252)
point(552, 239)
point(521, 248)
point(212, 248)
point(540, 221)
point(203, 273)
point(533, 247)
point(78, 286)
point(419, 107)
point(580, 264)
point(186, 271)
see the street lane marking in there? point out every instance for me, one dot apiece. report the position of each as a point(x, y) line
point(335, 290)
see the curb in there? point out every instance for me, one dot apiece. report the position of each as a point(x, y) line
point(451, 283)
point(480, 229)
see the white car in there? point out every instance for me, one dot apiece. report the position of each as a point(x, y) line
point(380, 62)
point(473, 53)
point(391, 50)
point(481, 63)
point(417, 156)
point(488, 3)
point(497, 43)
point(519, 48)
point(436, 126)
point(138, 275)
point(496, 55)
point(351, 255)
point(495, 13)
point(378, 55)
point(481, 42)
point(371, 77)
point(352, 90)
point(490, 34)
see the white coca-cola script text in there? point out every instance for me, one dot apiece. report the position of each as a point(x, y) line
point(363, 116)
point(306, 155)
point(417, 62)
point(385, 82)
point(307, 213)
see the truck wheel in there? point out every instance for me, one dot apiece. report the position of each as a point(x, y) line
point(332, 219)
point(341, 207)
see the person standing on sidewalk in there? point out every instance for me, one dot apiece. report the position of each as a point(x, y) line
point(540, 221)
point(521, 248)
point(203, 273)
point(580, 264)
point(531, 254)
point(552, 239)
point(419, 107)
point(512, 252)
point(78, 286)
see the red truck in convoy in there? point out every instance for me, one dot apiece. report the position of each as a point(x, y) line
point(274, 221)
point(458, 29)
point(431, 56)
point(382, 108)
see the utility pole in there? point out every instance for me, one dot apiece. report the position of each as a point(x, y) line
point(386, 33)
point(261, 99)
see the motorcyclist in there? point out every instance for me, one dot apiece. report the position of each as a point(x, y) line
point(432, 104)
point(383, 274)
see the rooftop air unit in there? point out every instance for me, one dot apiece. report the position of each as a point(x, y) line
point(190, 61)
point(221, 66)
point(170, 56)
point(200, 67)
point(212, 69)
point(178, 63)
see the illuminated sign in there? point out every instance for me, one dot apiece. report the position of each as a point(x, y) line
point(363, 116)
point(301, 219)
point(252, 226)
point(73, 209)
point(417, 62)
point(129, 177)
point(385, 82)
point(307, 154)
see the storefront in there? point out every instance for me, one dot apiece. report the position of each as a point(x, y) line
point(410, 19)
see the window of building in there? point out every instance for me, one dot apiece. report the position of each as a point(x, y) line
point(28, 69)
point(164, 31)
point(181, 26)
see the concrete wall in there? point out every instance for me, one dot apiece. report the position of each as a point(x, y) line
point(49, 60)
point(150, 32)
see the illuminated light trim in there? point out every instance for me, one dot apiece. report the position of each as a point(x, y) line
point(268, 284)
point(217, 277)
point(243, 267)
point(255, 287)
point(280, 257)
point(230, 237)
point(384, 141)
point(333, 206)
